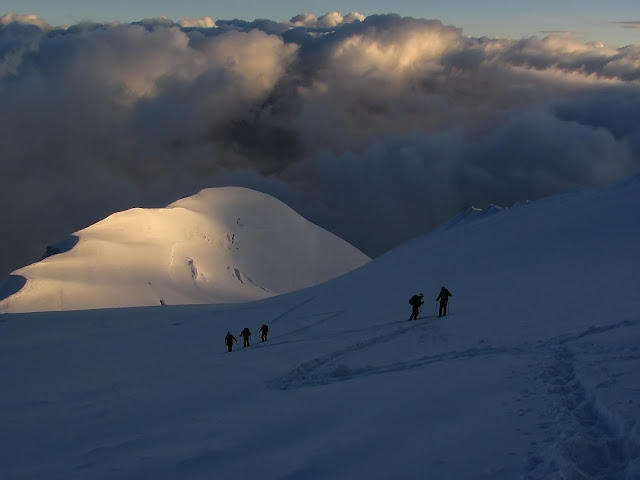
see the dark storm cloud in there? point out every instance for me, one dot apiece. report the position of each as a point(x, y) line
point(376, 128)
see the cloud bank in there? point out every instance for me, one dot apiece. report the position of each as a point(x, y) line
point(376, 128)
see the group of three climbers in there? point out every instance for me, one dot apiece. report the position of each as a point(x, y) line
point(245, 334)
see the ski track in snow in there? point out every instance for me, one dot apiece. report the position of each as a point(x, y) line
point(572, 337)
point(292, 309)
point(280, 339)
point(304, 374)
point(324, 317)
point(311, 373)
point(588, 443)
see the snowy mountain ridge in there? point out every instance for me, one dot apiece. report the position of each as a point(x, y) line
point(534, 374)
point(221, 245)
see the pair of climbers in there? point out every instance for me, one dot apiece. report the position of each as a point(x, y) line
point(245, 334)
point(416, 302)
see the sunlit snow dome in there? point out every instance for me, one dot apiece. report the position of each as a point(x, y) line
point(222, 245)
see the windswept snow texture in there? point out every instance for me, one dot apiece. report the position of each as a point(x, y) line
point(534, 374)
point(222, 245)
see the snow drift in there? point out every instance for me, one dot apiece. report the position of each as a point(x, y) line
point(222, 245)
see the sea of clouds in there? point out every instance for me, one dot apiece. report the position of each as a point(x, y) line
point(377, 128)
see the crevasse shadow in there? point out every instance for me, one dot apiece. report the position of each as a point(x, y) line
point(61, 247)
point(13, 284)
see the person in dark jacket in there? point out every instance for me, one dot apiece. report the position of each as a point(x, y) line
point(415, 302)
point(444, 299)
point(264, 330)
point(245, 334)
point(228, 340)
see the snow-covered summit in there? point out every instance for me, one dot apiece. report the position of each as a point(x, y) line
point(222, 245)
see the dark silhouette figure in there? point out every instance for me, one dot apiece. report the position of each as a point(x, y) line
point(245, 334)
point(264, 330)
point(228, 340)
point(415, 302)
point(444, 299)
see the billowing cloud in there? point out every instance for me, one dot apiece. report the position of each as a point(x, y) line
point(205, 22)
point(377, 128)
point(14, 18)
point(328, 20)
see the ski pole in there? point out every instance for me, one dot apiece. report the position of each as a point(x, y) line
point(435, 308)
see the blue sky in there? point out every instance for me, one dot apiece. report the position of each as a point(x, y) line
point(589, 20)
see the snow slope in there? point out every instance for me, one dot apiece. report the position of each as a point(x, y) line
point(222, 245)
point(535, 374)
